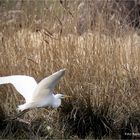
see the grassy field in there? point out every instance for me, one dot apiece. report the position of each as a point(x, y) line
point(102, 58)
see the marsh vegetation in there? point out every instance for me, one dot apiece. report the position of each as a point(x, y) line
point(100, 48)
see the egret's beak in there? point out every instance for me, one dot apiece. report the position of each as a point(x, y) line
point(66, 96)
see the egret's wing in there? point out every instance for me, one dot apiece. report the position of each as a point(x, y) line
point(25, 85)
point(46, 85)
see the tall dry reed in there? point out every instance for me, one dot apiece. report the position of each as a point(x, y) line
point(102, 72)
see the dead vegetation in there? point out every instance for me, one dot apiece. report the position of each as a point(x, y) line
point(103, 68)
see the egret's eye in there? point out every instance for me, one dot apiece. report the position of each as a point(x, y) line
point(63, 96)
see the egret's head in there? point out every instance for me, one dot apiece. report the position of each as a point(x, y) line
point(62, 96)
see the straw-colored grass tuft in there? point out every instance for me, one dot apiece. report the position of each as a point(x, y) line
point(100, 50)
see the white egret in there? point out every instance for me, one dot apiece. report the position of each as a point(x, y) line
point(36, 95)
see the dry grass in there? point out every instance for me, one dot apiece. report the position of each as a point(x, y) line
point(103, 68)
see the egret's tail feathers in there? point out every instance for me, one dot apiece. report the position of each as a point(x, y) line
point(22, 107)
point(26, 106)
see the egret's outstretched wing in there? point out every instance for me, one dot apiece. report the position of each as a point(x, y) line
point(25, 85)
point(46, 85)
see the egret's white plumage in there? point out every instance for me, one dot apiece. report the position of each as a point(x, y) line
point(36, 95)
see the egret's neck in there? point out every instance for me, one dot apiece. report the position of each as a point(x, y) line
point(57, 101)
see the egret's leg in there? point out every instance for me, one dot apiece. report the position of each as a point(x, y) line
point(20, 114)
point(16, 117)
point(22, 120)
